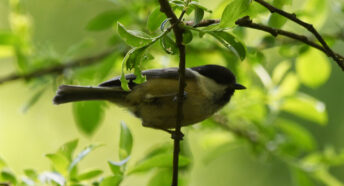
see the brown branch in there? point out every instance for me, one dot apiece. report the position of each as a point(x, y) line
point(178, 32)
point(203, 23)
point(339, 59)
point(58, 69)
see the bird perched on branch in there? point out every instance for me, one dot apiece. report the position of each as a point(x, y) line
point(208, 88)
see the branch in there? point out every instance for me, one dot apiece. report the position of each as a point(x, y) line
point(178, 32)
point(203, 23)
point(58, 69)
point(329, 52)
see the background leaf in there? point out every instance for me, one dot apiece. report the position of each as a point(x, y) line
point(125, 142)
point(104, 20)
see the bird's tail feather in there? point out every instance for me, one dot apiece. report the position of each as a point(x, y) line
point(69, 93)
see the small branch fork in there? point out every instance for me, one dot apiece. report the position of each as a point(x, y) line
point(178, 32)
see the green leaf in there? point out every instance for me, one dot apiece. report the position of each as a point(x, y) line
point(125, 142)
point(60, 162)
point(8, 176)
point(306, 107)
point(88, 115)
point(276, 21)
point(52, 177)
point(33, 100)
point(301, 178)
point(161, 177)
point(187, 36)
point(68, 149)
point(89, 175)
point(116, 166)
point(112, 181)
point(159, 160)
point(32, 174)
point(289, 85)
point(279, 71)
point(7, 38)
point(199, 13)
point(313, 68)
point(133, 37)
point(133, 59)
point(298, 135)
point(233, 11)
point(168, 45)
point(104, 20)
point(155, 19)
point(230, 42)
point(81, 156)
point(195, 5)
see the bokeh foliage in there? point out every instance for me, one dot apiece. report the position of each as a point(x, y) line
point(268, 118)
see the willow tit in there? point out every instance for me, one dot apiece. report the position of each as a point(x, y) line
point(208, 89)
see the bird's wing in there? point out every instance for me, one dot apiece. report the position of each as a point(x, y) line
point(165, 73)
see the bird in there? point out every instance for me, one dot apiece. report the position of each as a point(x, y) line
point(208, 88)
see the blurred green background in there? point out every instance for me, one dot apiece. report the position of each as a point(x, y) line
point(56, 30)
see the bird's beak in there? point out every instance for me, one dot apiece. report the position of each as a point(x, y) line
point(239, 87)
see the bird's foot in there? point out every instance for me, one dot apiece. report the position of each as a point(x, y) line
point(175, 98)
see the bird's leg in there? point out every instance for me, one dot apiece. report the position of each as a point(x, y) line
point(174, 134)
point(175, 98)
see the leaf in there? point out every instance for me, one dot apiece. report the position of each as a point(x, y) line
point(8, 176)
point(33, 100)
point(187, 37)
point(279, 71)
point(168, 45)
point(276, 21)
point(199, 13)
point(52, 177)
point(195, 5)
point(81, 156)
point(161, 177)
point(32, 174)
point(298, 135)
point(89, 175)
point(111, 181)
point(289, 85)
point(60, 162)
point(155, 19)
point(159, 160)
point(104, 20)
point(125, 142)
point(233, 11)
point(301, 178)
point(68, 149)
point(88, 115)
point(230, 42)
point(313, 68)
point(7, 38)
point(132, 60)
point(133, 37)
point(116, 166)
point(306, 107)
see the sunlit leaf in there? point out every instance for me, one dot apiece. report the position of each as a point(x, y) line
point(111, 181)
point(230, 42)
point(301, 178)
point(81, 156)
point(52, 177)
point(161, 177)
point(306, 107)
point(116, 167)
point(88, 115)
point(68, 148)
point(6, 38)
point(233, 11)
point(60, 162)
point(159, 160)
point(289, 85)
point(133, 37)
point(279, 71)
point(313, 68)
point(32, 174)
point(89, 175)
point(2, 163)
point(298, 135)
point(315, 12)
point(104, 20)
point(168, 45)
point(125, 142)
point(155, 19)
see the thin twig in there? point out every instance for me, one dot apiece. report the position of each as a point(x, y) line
point(203, 23)
point(58, 69)
point(339, 59)
point(178, 32)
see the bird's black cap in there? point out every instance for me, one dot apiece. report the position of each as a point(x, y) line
point(218, 73)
